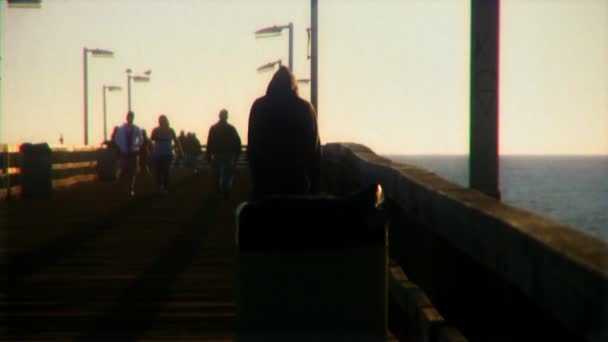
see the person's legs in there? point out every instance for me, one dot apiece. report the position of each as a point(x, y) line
point(158, 166)
point(127, 169)
point(216, 171)
point(228, 174)
point(167, 171)
point(143, 163)
point(123, 177)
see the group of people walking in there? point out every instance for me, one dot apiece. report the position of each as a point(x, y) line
point(283, 147)
point(132, 142)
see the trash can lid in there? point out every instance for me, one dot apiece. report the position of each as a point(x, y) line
point(34, 148)
point(312, 222)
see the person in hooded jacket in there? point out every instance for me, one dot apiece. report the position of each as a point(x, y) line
point(284, 147)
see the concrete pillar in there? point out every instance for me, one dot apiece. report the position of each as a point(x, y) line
point(483, 148)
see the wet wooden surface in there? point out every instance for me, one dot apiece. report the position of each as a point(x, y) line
point(92, 264)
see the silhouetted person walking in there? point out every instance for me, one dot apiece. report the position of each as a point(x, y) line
point(283, 148)
point(144, 153)
point(128, 138)
point(163, 138)
point(223, 150)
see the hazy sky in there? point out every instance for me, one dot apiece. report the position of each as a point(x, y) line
point(393, 74)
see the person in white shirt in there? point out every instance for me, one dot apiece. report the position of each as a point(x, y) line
point(128, 138)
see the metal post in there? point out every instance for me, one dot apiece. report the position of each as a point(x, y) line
point(313, 53)
point(1, 74)
point(129, 90)
point(484, 100)
point(290, 26)
point(86, 96)
point(105, 116)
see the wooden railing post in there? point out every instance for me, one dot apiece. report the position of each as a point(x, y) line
point(107, 164)
point(36, 179)
point(5, 160)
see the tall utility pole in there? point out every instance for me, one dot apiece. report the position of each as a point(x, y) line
point(314, 54)
point(484, 97)
point(85, 54)
point(86, 95)
point(105, 115)
point(1, 76)
point(128, 89)
point(135, 78)
point(290, 46)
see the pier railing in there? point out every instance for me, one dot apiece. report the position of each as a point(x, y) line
point(497, 272)
point(68, 164)
point(487, 268)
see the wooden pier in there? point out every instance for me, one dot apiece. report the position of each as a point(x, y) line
point(92, 264)
point(84, 261)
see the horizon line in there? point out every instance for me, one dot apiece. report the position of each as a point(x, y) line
point(500, 155)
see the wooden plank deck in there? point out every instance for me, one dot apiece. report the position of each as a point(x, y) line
point(91, 264)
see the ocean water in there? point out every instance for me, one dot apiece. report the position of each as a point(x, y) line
point(568, 189)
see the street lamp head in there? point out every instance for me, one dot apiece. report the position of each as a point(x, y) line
point(113, 88)
point(24, 3)
point(141, 79)
point(269, 66)
point(101, 53)
point(274, 31)
point(271, 31)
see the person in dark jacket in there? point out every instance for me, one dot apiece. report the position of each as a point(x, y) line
point(283, 148)
point(223, 150)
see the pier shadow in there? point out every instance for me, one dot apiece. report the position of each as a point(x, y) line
point(138, 307)
point(53, 251)
point(71, 243)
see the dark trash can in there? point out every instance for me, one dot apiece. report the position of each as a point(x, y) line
point(107, 163)
point(312, 268)
point(36, 178)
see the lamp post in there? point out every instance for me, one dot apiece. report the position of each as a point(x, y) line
point(135, 78)
point(274, 31)
point(314, 53)
point(85, 53)
point(105, 116)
